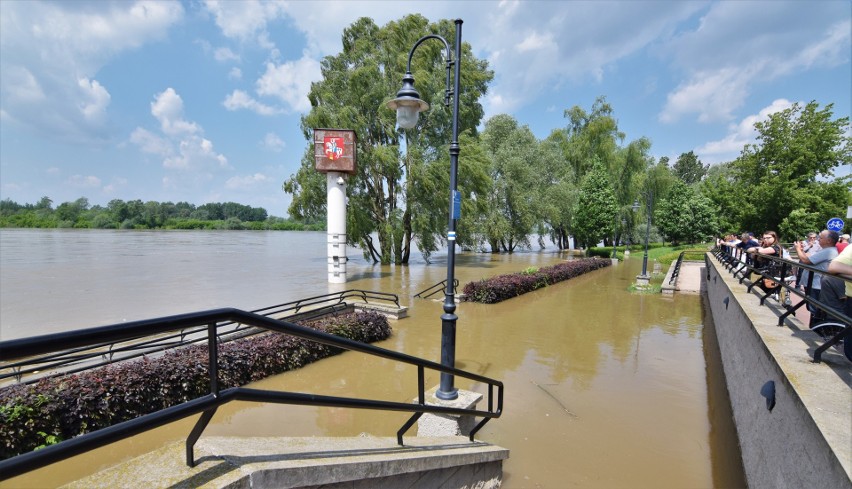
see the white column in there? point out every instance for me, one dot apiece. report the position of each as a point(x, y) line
point(336, 194)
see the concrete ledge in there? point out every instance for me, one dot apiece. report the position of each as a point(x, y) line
point(805, 440)
point(335, 463)
point(391, 312)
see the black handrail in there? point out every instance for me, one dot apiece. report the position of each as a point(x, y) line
point(437, 289)
point(301, 309)
point(735, 260)
point(39, 345)
point(676, 270)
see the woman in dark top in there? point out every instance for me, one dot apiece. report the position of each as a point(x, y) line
point(768, 246)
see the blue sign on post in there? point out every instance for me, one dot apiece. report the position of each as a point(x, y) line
point(456, 204)
point(834, 224)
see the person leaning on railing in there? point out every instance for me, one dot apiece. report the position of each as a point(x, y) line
point(820, 260)
point(768, 246)
point(842, 265)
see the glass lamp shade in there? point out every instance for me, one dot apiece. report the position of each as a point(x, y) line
point(406, 116)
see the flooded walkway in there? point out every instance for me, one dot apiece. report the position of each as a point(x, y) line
point(604, 387)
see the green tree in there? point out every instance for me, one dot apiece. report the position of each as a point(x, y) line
point(791, 166)
point(689, 169)
point(352, 94)
point(559, 192)
point(798, 224)
point(596, 208)
point(513, 201)
point(684, 216)
point(720, 187)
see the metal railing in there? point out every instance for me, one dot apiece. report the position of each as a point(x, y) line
point(438, 288)
point(208, 404)
point(781, 271)
point(29, 370)
point(679, 262)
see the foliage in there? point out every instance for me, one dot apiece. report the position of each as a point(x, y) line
point(671, 256)
point(502, 287)
point(595, 212)
point(791, 167)
point(684, 215)
point(798, 224)
point(592, 139)
point(689, 169)
point(135, 214)
point(60, 408)
point(512, 205)
point(384, 195)
point(720, 187)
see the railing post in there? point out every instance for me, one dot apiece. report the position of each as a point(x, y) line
point(213, 355)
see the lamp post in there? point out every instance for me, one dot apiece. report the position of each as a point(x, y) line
point(407, 105)
point(644, 279)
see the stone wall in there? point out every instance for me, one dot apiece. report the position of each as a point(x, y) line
point(805, 440)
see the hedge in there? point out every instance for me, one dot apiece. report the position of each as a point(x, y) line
point(502, 287)
point(60, 408)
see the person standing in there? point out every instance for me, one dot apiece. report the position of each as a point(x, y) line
point(827, 241)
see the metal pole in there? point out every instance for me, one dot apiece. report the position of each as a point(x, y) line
point(649, 196)
point(446, 390)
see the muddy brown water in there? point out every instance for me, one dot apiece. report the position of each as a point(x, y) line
point(604, 388)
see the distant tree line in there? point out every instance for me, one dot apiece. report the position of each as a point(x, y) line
point(135, 214)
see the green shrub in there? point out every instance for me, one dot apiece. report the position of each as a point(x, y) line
point(60, 408)
point(502, 287)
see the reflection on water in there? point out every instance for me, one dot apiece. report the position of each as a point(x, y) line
point(604, 388)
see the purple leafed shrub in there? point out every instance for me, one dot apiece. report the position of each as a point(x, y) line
point(502, 287)
point(60, 408)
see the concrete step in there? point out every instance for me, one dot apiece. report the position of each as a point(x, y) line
point(309, 462)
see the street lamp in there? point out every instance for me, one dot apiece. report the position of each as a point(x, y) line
point(644, 279)
point(408, 105)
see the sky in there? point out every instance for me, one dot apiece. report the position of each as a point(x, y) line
point(200, 101)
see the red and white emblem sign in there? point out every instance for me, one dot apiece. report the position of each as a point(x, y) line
point(333, 147)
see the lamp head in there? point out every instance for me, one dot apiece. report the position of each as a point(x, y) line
point(635, 206)
point(407, 103)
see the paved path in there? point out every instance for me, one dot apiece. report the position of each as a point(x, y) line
point(691, 278)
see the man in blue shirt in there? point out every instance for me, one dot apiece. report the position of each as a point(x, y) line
point(820, 260)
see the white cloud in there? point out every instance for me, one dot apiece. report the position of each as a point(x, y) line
point(225, 54)
point(235, 73)
point(714, 96)
point(239, 99)
point(81, 181)
point(738, 45)
point(290, 82)
point(50, 53)
point(53, 171)
point(247, 182)
point(95, 99)
point(246, 20)
point(272, 142)
point(117, 183)
point(739, 135)
point(182, 145)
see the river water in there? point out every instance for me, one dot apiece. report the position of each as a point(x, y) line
point(604, 387)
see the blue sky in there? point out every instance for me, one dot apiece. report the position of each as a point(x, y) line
point(200, 101)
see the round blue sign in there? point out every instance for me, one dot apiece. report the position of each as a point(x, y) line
point(834, 224)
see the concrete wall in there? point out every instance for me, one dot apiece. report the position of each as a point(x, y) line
point(806, 439)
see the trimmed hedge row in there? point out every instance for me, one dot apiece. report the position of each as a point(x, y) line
point(502, 287)
point(60, 408)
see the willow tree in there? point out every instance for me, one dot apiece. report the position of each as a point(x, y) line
point(513, 203)
point(383, 195)
point(592, 139)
